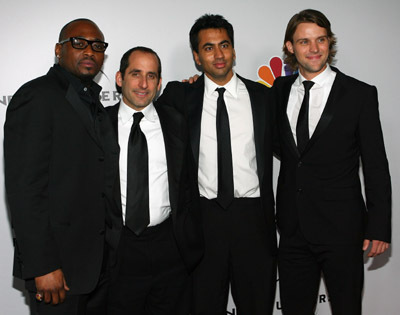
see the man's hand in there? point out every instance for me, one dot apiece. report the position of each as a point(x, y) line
point(52, 287)
point(191, 80)
point(377, 247)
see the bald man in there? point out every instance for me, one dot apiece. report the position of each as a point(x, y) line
point(60, 157)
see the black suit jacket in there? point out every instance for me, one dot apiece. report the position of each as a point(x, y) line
point(58, 166)
point(188, 99)
point(183, 192)
point(320, 189)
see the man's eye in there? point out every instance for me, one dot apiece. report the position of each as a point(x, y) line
point(79, 43)
point(98, 46)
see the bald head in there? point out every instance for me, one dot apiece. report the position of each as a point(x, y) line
point(64, 30)
point(85, 63)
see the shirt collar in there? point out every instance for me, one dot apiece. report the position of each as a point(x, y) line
point(126, 113)
point(76, 82)
point(231, 87)
point(319, 80)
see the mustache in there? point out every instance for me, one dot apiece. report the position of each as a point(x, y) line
point(90, 58)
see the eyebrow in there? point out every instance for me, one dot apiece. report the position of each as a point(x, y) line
point(139, 71)
point(220, 43)
point(306, 38)
point(95, 39)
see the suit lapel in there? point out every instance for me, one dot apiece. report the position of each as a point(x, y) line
point(195, 108)
point(284, 120)
point(113, 113)
point(83, 112)
point(337, 92)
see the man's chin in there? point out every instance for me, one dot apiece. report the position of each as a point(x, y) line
point(86, 77)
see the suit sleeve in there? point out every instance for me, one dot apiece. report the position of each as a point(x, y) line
point(375, 169)
point(27, 146)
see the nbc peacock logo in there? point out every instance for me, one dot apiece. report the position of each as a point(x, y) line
point(275, 68)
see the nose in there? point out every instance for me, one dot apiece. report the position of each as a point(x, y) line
point(143, 82)
point(89, 50)
point(314, 46)
point(218, 52)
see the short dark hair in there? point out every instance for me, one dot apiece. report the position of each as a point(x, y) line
point(124, 64)
point(207, 21)
point(65, 27)
point(308, 16)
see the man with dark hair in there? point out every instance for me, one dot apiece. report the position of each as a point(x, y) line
point(156, 216)
point(328, 122)
point(59, 153)
point(209, 21)
point(231, 123)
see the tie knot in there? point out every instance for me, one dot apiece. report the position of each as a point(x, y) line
point(220, 91)
point(137, 117)
point(308, 85)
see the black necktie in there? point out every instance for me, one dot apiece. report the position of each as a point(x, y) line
point(225, 169)
point(137, 195)
point(302, 132)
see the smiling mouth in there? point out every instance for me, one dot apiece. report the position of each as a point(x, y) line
point(141, 94)
point(314, 57)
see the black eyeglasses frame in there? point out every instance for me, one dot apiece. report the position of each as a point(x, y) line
point(88, 42)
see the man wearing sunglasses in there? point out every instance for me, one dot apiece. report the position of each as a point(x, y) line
point(60, 161)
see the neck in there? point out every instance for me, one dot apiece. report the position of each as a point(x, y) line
point(221, 80)
point(311, 75)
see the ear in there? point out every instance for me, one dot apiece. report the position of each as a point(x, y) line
point(57, 50)
point(159, 85)
point(196, 58)
point(118, 78)
point(289, 46)
point(234, 54)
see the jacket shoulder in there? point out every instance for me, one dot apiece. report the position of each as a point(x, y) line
point(255, 87)
point(175, 85)
point(353, 82)
point(181, 87)
point(175, 94)
point(252, 83)
point(282, 80)
point(40, 83)
point(37, 92)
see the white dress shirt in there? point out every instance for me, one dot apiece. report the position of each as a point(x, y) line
point(158, 176)
point(319, 94)
point(237, 100)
